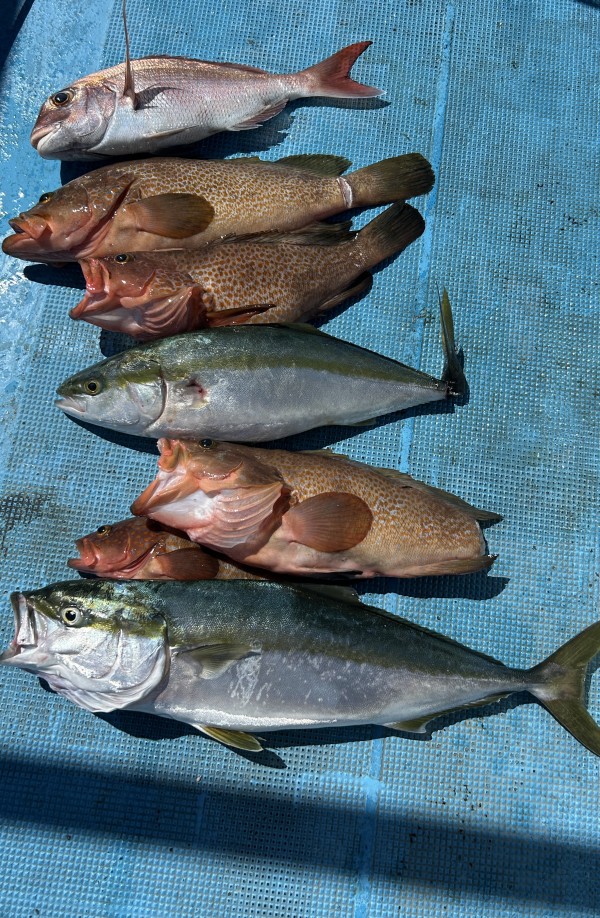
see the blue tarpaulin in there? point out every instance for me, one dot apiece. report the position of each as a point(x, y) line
point(129, 816)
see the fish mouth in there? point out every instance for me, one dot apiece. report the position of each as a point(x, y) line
point(99, 297)
point(88, 557)
point(28, 232)
point(163, 491)
point(41, 138)
point(74, 405)
point(27, 632)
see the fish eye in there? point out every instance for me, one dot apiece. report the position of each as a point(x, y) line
point(46, 197)
point(103, 530)
point(71, 615)
point(62, 97)
point(92, 387)
point(207, 443)
point(123, 259)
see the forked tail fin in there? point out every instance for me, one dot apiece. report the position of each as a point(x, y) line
point(331, 77)
point(561, 686)
point(453, 373)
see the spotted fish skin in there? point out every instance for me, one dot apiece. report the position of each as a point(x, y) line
point(295, 276)
point(277, 510)
point(171, 203)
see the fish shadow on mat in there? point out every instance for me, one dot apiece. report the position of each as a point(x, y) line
point(140, 444)
point(69, 275)
point(478, 586)
point(149, 727)
point(112, 343)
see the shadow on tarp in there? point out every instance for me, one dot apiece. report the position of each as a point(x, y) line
point(595, 4)
point(11, 28)
point(267, 826)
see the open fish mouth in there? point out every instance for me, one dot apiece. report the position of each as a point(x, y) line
point(88, 557)
point(27, 632)
point(99, 296)
point(72, 404)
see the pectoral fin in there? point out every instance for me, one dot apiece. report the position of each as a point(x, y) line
point(187, 564)
point(215, 659)
point(234, 738)
point(173, 215)
point(328, 522)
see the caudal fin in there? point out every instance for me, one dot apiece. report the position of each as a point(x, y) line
point(331, 77)
point(389, 233)
point(561, 686)
point(453, 371)
point(390, 180)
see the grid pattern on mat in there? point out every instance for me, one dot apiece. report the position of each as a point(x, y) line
point(126, 816)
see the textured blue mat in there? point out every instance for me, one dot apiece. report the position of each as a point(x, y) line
point(133, 817)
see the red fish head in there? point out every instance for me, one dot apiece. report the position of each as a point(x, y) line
point(218, 493)
point(117, 550)
point(206, 467)
point(136, 294)
point(68, 223)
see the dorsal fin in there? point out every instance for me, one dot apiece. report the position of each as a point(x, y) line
point(317, 163)
point(128, 88)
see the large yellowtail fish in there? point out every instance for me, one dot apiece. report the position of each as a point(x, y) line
point(315, 513)
point(173, 203)
point(296, 276)
point(234, 657)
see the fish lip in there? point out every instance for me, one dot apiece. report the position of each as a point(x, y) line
point(71, 404)
point(29, 228)
point(88, 559)
point(22, 609)
point(38, 134)
point(90, 305)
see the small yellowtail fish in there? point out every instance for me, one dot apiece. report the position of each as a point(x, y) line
point(236, 657)
point(145, 105)
point(249, 383)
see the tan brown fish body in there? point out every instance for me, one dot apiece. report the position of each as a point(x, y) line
point(153, 295)
point(164, 101)
point(141, 549)
point(312, 513)
point(171, 203)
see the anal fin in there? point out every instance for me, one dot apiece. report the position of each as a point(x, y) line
point(362, 285)
point(419, 724)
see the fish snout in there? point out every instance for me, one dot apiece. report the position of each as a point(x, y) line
point(33, 226)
